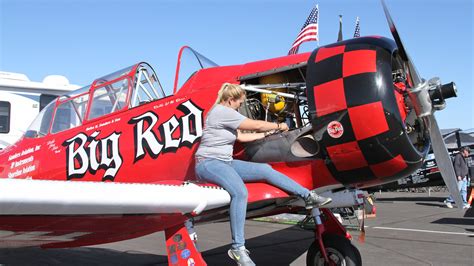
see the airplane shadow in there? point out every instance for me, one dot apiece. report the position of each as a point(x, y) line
point(470, 231)
point(76, 256)
point(431, 204)
point(469, 212)
point(457, 221)
point(280, 247)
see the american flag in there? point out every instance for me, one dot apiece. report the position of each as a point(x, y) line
point(357, 29)
point(309, 31)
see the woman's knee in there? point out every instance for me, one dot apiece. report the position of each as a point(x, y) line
point(268, 172)
point(240, 193)
point(265, 168)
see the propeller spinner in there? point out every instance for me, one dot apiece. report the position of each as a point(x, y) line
point(427, 97)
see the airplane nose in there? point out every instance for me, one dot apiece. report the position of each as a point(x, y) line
point(441, 92)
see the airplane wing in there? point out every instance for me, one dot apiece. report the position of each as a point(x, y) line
point(38, 197)
point(60, 214)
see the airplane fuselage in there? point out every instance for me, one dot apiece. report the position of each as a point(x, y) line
point(121, 130)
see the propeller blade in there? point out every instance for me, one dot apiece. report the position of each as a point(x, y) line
point(443, 160)
point(439, 149)
point(413, 73)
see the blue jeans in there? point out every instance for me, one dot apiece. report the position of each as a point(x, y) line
point(231, 176)
point(462, 186)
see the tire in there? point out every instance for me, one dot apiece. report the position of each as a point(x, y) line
point(339, 249)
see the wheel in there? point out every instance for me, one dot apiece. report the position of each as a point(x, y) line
point(339, 249)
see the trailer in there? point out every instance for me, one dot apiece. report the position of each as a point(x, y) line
point(21, 100)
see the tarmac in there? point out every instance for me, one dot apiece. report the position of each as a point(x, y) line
point(409, 229)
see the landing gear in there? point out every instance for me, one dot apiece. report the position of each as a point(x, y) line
point(339, 251)
point(181, 248)
point(332, 245)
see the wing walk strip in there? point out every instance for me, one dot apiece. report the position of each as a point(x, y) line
point(419, 230)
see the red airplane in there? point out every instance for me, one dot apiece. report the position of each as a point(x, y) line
point(114, 160)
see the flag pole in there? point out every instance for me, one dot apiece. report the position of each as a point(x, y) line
point(339, 36)
point(317, 23)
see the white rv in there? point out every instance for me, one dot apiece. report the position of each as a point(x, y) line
point(22, 99)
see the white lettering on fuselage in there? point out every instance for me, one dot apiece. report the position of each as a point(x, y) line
point(89, 153)
point(146, 140)
point(23, 153)
point(22, 162)
point(99, 153)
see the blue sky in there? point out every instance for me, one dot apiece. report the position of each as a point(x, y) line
point(86, 39)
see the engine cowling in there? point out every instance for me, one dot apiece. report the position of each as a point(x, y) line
point(351, 92)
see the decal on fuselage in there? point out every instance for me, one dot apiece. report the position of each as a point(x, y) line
point(99, 154)
point(335, 129)
point(23, 164)
point(89, 153)
point(146, 140)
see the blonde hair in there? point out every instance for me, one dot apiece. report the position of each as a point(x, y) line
point(229, 91)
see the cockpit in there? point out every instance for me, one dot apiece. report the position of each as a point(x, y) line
point(121, 90)
point(124, 89)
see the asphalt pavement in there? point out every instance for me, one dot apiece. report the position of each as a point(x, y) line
point(409, 229)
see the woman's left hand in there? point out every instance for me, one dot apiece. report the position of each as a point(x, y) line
point(283, 127)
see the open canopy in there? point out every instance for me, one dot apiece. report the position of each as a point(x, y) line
point(189, 62)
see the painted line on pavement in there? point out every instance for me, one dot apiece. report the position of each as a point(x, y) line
point(423, 231)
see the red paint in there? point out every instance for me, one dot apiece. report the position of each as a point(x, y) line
point(324, 52)
point(401, 99)
point(364, 127)
point(389, 167)
point(180, 248)
point(347, 156)
point(98, 229)
point(330, 97)
point(359, 61)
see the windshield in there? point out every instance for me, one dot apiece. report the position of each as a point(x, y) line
point(40, 126)
point(70, 113)
point(189, 62)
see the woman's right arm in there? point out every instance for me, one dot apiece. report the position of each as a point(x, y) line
point(261, 126)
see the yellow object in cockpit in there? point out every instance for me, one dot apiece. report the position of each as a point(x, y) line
point(273, 102)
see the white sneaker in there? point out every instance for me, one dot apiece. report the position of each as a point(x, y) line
point(448, 204)
point(241, 257)
point(313, 200)
point(466, 206)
